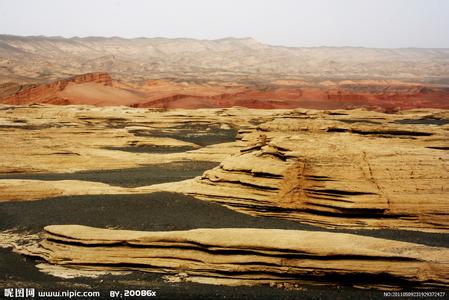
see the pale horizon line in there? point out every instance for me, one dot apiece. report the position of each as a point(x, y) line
point(211, 40)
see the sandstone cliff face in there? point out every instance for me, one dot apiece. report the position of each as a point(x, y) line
point(49, 93)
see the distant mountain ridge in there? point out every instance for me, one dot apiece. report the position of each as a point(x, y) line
point(39, 59)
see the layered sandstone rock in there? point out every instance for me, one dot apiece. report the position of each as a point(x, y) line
point(246, 255)
point(337, 169)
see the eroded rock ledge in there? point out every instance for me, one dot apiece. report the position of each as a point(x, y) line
point(335, 169)
point(247, 255)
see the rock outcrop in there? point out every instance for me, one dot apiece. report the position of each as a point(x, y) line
point(254, 256)
point(358, 170)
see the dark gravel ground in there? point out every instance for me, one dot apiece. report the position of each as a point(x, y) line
point(202, 134)
point(161, 212)
point(132, 177)
point(424, 121)
point(153, 149)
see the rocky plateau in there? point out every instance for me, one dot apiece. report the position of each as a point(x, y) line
point(363, 193)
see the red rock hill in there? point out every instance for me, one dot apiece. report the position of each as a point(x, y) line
point(101, 90)
point(50, 92)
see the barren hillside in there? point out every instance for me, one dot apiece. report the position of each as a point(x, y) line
point(40, 58)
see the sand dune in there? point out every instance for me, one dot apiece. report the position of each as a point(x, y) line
point(98, 95)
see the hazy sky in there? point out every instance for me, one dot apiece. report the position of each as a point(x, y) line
point(368, 23)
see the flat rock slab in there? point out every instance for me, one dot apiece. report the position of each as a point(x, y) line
point(246, 254)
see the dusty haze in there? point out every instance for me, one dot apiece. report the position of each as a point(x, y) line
point(368, 23)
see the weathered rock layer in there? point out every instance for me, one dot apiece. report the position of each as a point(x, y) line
point(256, 255)
point(332, 170)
